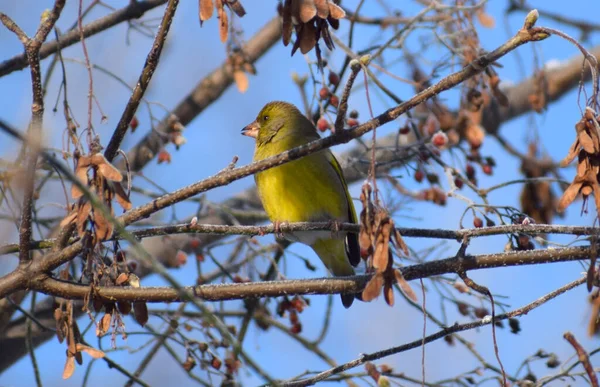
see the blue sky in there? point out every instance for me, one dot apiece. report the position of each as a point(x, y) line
point(213, 140)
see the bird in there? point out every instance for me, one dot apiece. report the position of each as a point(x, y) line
point(309, 189)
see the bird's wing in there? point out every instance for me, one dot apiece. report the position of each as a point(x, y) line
point(352, 246)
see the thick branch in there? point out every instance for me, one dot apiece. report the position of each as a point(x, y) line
point(335, 285)
point(32, 53)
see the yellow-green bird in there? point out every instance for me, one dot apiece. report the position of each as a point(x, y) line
point(310, 189)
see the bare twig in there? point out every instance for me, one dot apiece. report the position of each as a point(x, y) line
point(583, 358)
point(218, 229)
point(134, 10)
point(32, 52)
point(438, 335)
point(140, 88)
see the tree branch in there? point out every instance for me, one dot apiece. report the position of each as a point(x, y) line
point(134, 10)
point(144, 80)
point(335, 285)
point(224, 230)
point(438, 335)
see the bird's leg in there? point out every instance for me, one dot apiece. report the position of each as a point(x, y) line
point(277, 228)
point(335, 226)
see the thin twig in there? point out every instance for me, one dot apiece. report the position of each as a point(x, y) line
point(144, 80)
point(438, 335)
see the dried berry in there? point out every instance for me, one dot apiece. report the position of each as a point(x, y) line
point(334, 100)
point(322, 124)
point(334, 79)
point(419, 176)
point(324, 93)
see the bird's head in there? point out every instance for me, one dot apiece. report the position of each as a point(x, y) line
point(275, 121)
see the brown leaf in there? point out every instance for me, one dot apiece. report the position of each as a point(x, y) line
point(286, 29)
point(573, 152)
point(486, 20)
point(306, 10)
point(334, 23)
point(223, 23)
point(241, 80)
point(569, 196)
point(81, 173)
point(93, 352)
point(373, 288)
point(97, 304)
point(122, 279)
point(405, 286)
point(106, 169)
point(594, 325)
point(61, 324)
point(364, 240)
point(336, 12)
point(69, 367)
point(124, 307)
point(388, 294)
point(68, 219)
point(582, 165)
point(322, 8)
point(586, 142)
point(206, 10)
point(237, 7)
point(121, 196)
point(104, 325)
point(381, 254)
point(400, 244)
point(140, 311)
point(83, 212)
point(307, 37)
point(102, 226)
point(326, 37)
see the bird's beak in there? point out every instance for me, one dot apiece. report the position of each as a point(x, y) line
point(251, 130)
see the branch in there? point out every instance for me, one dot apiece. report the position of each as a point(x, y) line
point(438, 335)
point(224, 230)
point(583, 358)
point(144, 80)
point(353, 284)
point(32, 52)
point(134, 10)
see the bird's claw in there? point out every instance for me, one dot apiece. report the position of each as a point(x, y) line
point(335, 226)
point(277, 228)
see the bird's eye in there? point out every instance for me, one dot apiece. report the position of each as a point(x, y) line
point(265, 118)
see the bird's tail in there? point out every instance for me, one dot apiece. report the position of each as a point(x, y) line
point(333, 254)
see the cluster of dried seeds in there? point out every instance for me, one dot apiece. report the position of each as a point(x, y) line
point(292, 307)
point(586, 149)
point(377, 231)
point(105, 182)
point(207, 7)
point(67, 329)
point(311, 20)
